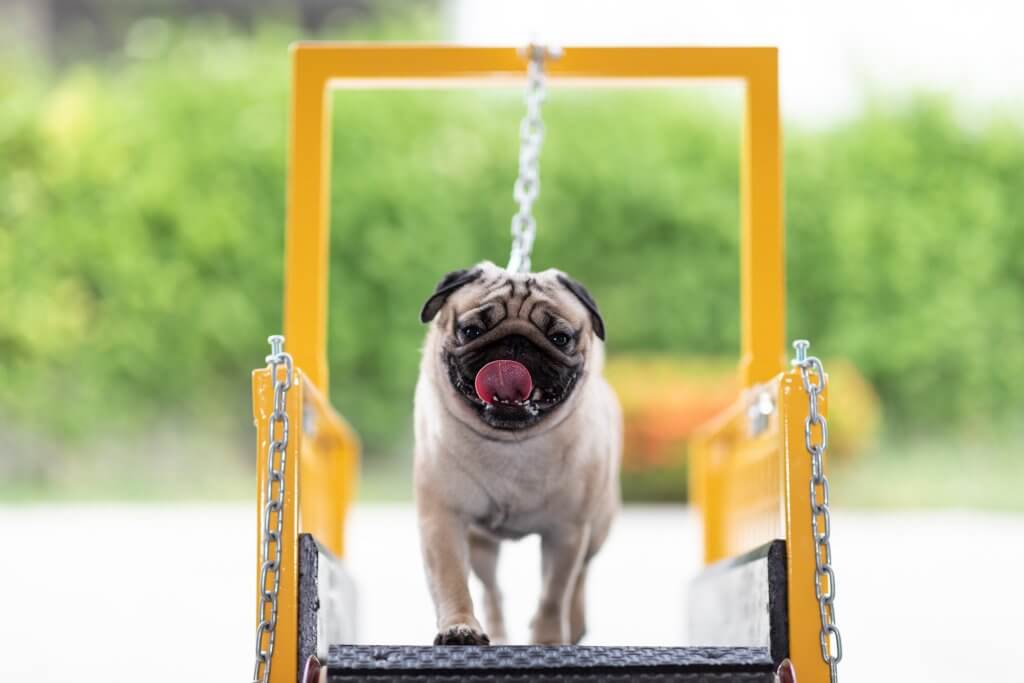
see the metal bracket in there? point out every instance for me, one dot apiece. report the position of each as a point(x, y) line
point(760, 408)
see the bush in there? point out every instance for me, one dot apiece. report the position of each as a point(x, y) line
point(665, 400)
point(141, 215)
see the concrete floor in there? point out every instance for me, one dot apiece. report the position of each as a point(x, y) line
point(165, 593)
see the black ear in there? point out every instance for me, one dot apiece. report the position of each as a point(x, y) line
point(448, 284)
point(584, 296)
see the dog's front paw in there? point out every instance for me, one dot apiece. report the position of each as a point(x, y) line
point(461, 634)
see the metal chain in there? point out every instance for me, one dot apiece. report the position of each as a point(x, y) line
point(270, 569)
point(813, 375)
point(531, 138)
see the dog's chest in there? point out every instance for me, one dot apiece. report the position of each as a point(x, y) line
point(517, 491)
point(513, 512)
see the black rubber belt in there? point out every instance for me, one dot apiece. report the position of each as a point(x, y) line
point(380, 664)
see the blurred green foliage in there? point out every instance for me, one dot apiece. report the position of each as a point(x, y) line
point(142, 205)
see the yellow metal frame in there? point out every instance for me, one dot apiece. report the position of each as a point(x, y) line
point(749, 488)
point(316, 67)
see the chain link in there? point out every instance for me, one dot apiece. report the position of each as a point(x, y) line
point(531, 138)
point(273, 510)
point(816, 441)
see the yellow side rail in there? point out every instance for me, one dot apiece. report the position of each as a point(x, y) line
point(753, 487)
point(750, 487)
point(320, 471)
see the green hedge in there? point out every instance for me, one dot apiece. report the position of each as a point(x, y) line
point(142, 203)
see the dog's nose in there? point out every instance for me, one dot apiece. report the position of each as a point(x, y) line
point(516, 346)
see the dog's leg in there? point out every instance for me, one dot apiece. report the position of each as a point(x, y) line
point(577, 608)
point(483, 557)
point(561, 558)
point(445, 545)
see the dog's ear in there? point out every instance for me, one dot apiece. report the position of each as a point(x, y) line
point(584, 296)
point(448, 284)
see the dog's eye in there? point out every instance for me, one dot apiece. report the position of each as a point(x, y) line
point(559, 339)
point(470, 332)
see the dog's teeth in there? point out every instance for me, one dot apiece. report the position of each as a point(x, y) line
point(536, 394)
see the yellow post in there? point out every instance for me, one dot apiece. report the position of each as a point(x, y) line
point(762, 275)
point(285, 656)
point(804, 621)
point(306, 232)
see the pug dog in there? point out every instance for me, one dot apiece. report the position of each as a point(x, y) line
point(517, 433)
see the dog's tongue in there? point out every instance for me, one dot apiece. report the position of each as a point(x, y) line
point(504, 380)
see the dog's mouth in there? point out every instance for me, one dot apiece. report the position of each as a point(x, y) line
point(506, 393)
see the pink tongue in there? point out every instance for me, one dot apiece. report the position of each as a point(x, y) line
point(503, 380)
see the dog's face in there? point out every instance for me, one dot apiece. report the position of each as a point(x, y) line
point(512, 348)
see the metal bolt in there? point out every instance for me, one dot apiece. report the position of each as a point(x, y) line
point(276, 344)
point(801, 346)
point(786, 672)
point(311, 672)
point(538, 51)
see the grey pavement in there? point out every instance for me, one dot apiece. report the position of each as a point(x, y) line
point(166, 592)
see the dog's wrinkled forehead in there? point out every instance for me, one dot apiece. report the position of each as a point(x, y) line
point(497, 296)
point(517, 295)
